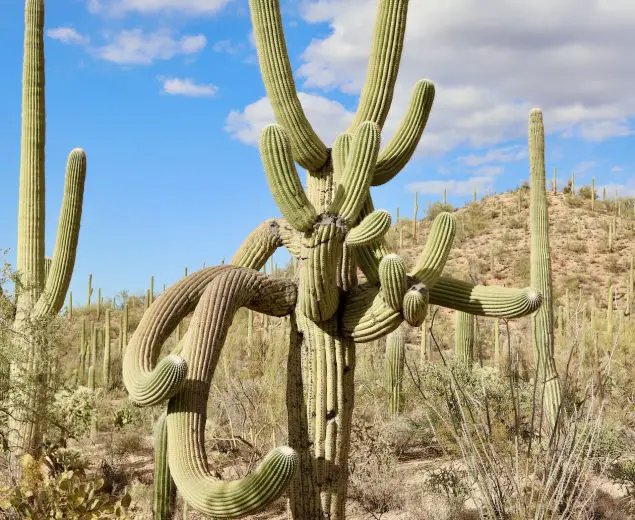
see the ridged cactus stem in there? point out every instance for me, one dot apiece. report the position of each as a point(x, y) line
point(445, 199)
point(93, 345)
point(98, 304)
point(106, 360)
point(82, 352)
point(164, 496)
point(542, 320)
point(572, 183)
point(497, 344)
point(464, 339)
point(90, 288)
point(395, 362)
point(151, 289)
point(414, 219)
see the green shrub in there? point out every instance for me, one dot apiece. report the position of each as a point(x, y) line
point(437, 207)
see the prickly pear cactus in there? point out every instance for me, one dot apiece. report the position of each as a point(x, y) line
point(332, 230)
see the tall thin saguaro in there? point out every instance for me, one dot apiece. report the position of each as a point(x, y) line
point(540, 258)
point(332, 229)
point(39, 296)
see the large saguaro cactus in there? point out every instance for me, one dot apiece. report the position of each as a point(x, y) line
point(39, 296)
point(542, 321)
point(331, 229)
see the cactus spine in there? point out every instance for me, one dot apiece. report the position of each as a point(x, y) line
point(464, 339)
point(542, 321)
point(395, 362)
point(39, 297)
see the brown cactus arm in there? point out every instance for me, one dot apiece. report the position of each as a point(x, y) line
point(308, 149)
point(61, 269)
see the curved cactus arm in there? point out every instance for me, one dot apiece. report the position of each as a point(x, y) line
point(187, 410)
point(146, 383)
point(367, 316)
point(482, 300)
point(432, 260)
point(369, 256)
point(262, 242)
point(383, 65)
point(308, 149)
point(284, 181)
point(61, 269)
point(393, 280)
point(415, 305)
point(372, 228)
point(358, 173)
point(340, 153)
point(394, 157)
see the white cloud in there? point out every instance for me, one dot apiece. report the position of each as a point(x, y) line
point(188, 7)
point(327, 117)
point(496, 155)
point(616, 169)
point(67, 35)
point(456, 187)
point(134, 47)
point(622, 190)
point(489, 171)
point(187, 87)
point(492, 62)
point(585, 166)
point(227, 47)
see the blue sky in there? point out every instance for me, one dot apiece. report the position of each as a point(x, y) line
point(166, 98)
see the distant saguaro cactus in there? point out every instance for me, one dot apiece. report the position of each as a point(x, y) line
point(464, 338)
point(542, 321)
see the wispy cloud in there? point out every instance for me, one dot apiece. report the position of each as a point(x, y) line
point(227, 47)
point(495, 155)
point(327, 117)
point(187, 87)
point(616, 169)
point(187, 7)
point(134, 47)
point(585, 166)
point(489, 171)
point(67, 35)
point(456, 187)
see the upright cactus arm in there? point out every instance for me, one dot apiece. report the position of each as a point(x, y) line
point(63, 262)
point(308, 149)
point(358, 173)
point(31, 210)
point(187, 410)
point(262, 242)
point(284, 181)
point(431, 262)
point(148, 382)
point(394, 157)
point(340, 153)
point(481, 300)
point(383, 65)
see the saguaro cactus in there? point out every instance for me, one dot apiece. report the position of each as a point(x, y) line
point(464, 338)
point(39, 296)
point(542, 320)
point(164, 497)
point(331, 229)
point(395, 362)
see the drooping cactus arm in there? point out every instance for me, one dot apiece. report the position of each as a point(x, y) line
point(431, 262)
point(367, 316)
point(371, 229)
point(283, 179)
point(187, 410)
point(394, 157)
point(262, 242)
point(147, 382)
point(383, 65)
point(31, 215)
point(481, 300)
point(368, 256)
point(61, 269)
point(358, 173)
point(308, 149)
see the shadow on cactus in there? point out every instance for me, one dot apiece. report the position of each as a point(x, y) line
point(332, 229)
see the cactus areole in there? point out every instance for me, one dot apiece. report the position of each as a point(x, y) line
point(333, 231)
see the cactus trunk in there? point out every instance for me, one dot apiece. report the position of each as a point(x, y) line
point(464, 339)
point(542, 321)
